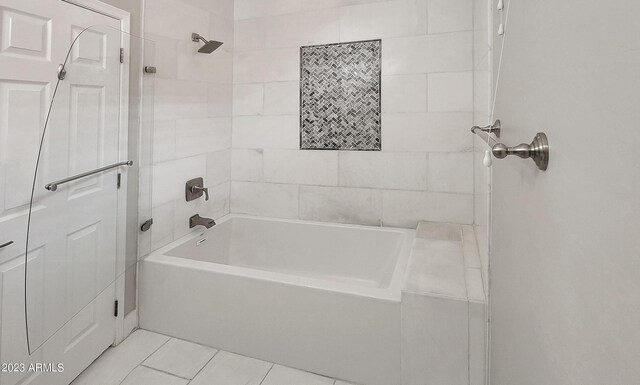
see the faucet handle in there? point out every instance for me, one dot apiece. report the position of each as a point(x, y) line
point(197, 189)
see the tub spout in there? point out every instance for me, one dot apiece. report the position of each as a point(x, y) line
point(197, 220)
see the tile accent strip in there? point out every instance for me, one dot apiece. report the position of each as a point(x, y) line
point(340, 96)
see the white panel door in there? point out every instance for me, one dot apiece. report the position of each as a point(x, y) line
point(72, 243)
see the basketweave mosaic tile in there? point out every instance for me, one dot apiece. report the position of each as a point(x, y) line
point(340, 96)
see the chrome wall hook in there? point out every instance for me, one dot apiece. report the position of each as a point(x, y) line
point(538, 150)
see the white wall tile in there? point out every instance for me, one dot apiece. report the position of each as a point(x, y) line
point(221, 28)
point(320, 4)
point(450, 52)
point(198, 67)
point(246, 165)
point(383, 19)
point(245, 9)
point(264, 199)
point(341, 204)
point(220, 202)
point(475, 290)
point(220, 98)
point(432, 132)
point(436, 268)
point(301, 167)
point(200, 136)
point(222, 8)
point(451, 172)
point(164, 140)
point(423, 54)
point(298, 29)
point(269, 65)
point(282, 98)
point(266, 132)
point(450, 91)
point(404, 171)
point(249, 34)
point(247, 99)
point(169, 178)
point(404, 93)
point(218, 167)
point(477, 349)
point(407, 208)
point(165, 55)
point(193, 106)
point(180, 99)
point(434, 341)
point(181, 21)
point(268, 34)
point(162, 229)
point(450, 15)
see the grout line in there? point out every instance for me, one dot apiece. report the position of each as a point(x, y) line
point(204, 366)
point(165, 372)
point(265, 376)
point(149, 355)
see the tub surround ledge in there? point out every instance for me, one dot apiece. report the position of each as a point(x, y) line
point(443, 304)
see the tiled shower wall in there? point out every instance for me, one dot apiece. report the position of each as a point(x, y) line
point(193, 105)
point(425, 168)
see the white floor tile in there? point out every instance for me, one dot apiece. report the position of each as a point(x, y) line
point(232, 369)
point(343, 383)
point(180, 358)
point(115, 363)
point(281, 375)
point(145, 376)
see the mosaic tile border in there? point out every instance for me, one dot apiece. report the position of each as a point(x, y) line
point(376, 125)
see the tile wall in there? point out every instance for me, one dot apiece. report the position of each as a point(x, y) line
point(193, 107)
point(425, 168)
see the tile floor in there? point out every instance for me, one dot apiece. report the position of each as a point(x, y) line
point(147, 358)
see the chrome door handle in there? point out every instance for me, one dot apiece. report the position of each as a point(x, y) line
point(538, 150)
point(6, 244)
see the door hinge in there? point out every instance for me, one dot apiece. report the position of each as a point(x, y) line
point(119, 181)
point(121, 55)
point(115, 308)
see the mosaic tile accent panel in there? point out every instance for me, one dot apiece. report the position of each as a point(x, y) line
point(340, 96)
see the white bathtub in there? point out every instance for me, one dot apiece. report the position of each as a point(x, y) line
point(316, 296)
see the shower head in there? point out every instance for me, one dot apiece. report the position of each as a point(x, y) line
point(209, 46)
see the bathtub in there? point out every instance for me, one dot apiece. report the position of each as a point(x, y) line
point(316, 296)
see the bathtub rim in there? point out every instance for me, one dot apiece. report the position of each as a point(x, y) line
point(390, 293)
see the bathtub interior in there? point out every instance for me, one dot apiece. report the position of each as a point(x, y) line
point(340, 253)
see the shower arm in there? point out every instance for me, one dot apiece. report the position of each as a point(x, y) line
point(196, 37)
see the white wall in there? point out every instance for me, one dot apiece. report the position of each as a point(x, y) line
point(425, 168)
point(193, 99)
point(565, 264)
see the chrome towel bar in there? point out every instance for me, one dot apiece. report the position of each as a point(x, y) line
point(53, 186)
